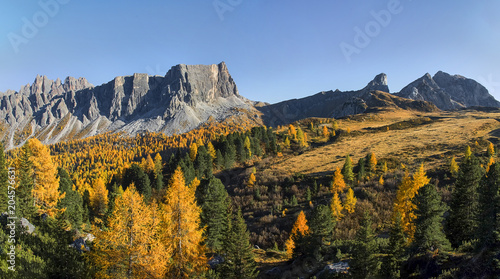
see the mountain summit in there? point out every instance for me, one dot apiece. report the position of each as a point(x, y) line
point(448, 92)
point(187, 96)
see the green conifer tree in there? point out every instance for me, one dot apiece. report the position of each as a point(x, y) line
point(347, 170)
point(24, 192)
point(429, 234)
point(239, 261)
point(364, 263)
point(391, 266)
point(462, 222)
point(214, 202)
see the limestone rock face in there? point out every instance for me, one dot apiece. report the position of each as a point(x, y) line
point(448, 92)
point(178, 102)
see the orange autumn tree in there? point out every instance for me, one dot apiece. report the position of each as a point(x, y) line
point(299, 230)
point(99, 198)
point(193, 151)
point(350, 201)
point(131, 246)
point(46, 184)
point(404, 205)
point(336, 207)
point(183, 235)
point(338, 184)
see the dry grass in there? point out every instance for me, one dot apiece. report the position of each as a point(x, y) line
point(448, 134)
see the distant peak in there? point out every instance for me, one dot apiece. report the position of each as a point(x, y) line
point(378, 83)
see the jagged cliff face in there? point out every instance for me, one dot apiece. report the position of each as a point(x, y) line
point(339, 104)
point(184, 98)
point(449, 92)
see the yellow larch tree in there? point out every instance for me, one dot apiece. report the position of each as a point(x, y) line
point(338, 184)
point(251, 180)
point(491, 161)
point(149, 164)
point(336, 207)
point(468, 152)
point(299, 230)
point(325, 131)
point(211, 150)
point(99, 198)
point(372, 162)
point(158, 164)
point(292, 131)
point(453, 167)
point(131, 246)
point(350, 201)
point(183, 235)
point(404, 199)
point(491, 150)
point(46, 184)
point(193, 151)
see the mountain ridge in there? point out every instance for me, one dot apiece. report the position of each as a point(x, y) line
point(190, 95)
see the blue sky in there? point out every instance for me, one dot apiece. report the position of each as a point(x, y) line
point(275, 50)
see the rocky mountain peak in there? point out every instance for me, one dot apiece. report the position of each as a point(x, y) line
point(378, 83)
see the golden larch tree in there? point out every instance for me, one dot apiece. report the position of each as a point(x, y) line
point(338, 184)
point(350, 201)
point(325, 131)
point(468, 152)
point(158, 164)
point(372, 162)
point(211, 150)
point(336, 207)
point(251, 180)
point(99, 198)
point(46, 184)
point(183, 235)
point(149, 164)
point(404, 200)
point(292, 131)
point(193, 151)
point(491, 150)
point(131, 246)
point(300, 227)
point(453, 167)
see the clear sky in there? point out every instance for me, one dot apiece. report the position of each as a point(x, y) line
point(275, 50)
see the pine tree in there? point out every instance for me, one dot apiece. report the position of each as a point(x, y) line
point(131, 247)
point(462, 223)
point(46, 185)
point(321, 226)
point(239, 261)
point(338, 184)
point(429, 234)
point(219, 160)
point(396, 250)
point(214, 202)
point(364, 263)
point(72, 201)
point(4, 181)
point(183, 233)
point(136, 175)
point(347, 170)
point(350, 201)
point(361, 169)
point(336, 207)
point(488, 231)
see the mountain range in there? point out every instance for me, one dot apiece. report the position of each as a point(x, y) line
point(190, 95)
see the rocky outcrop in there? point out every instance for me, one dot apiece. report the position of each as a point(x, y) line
point(180, 101)
point(339, 104)
point(448, 92)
